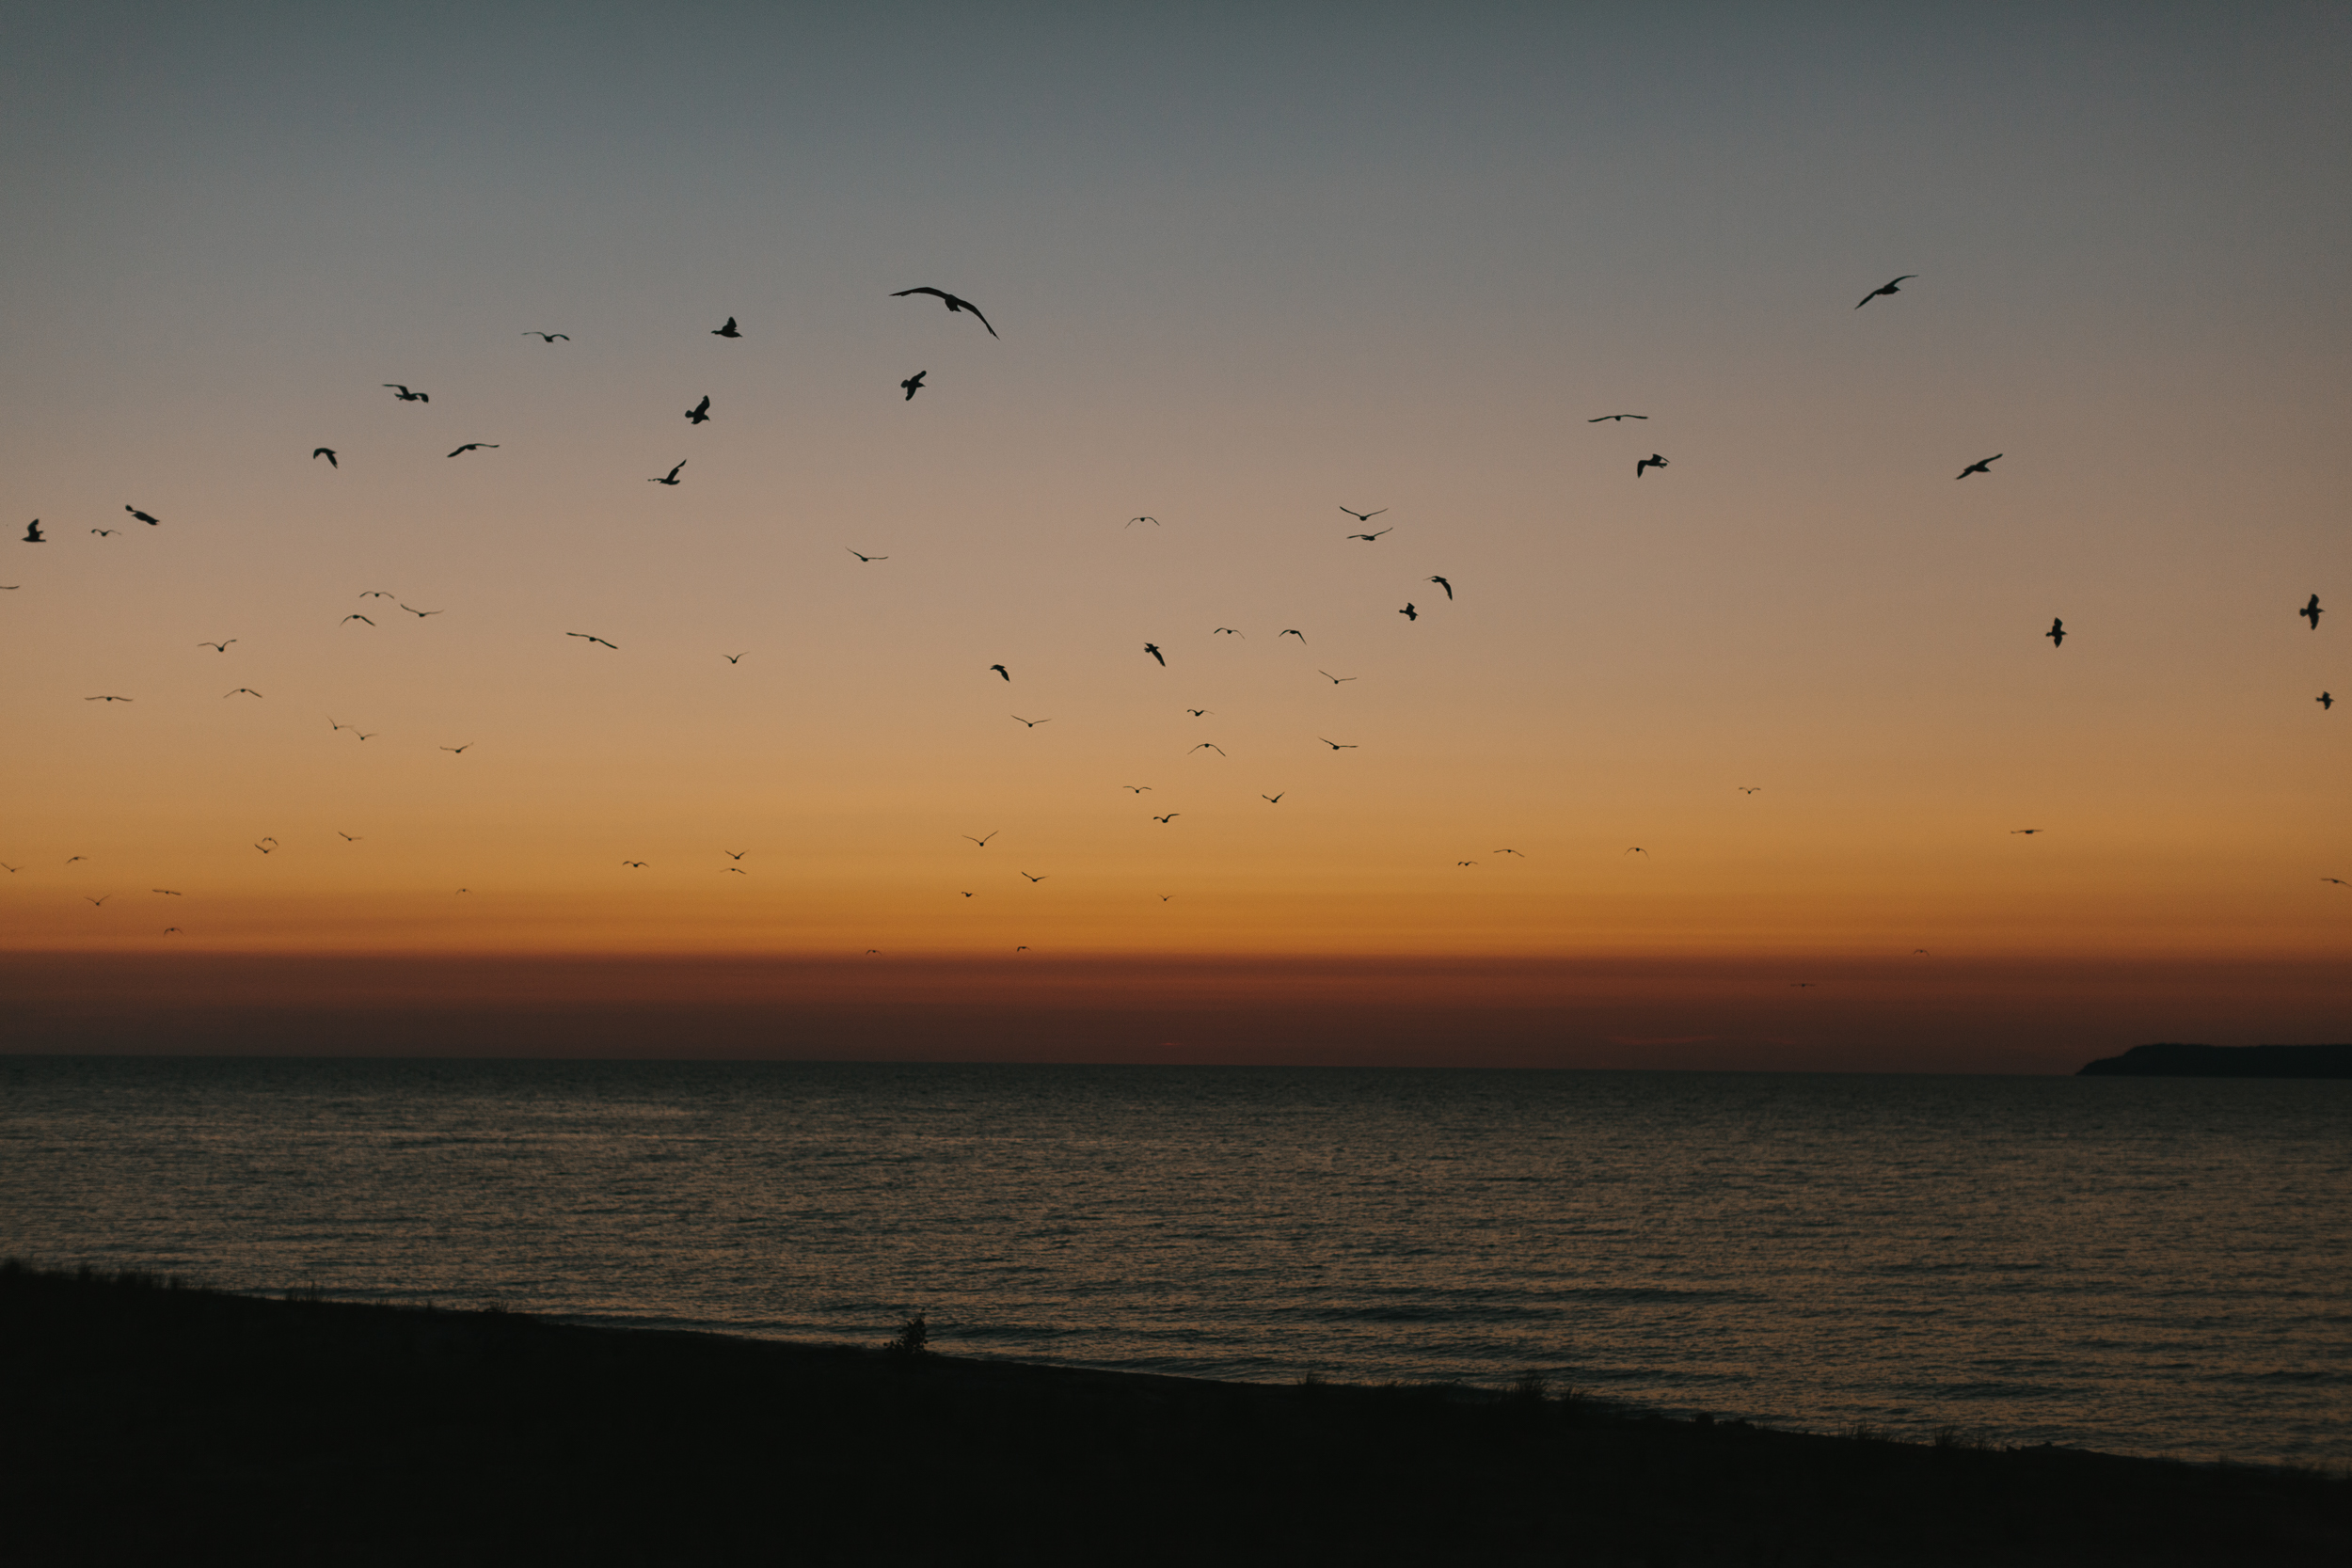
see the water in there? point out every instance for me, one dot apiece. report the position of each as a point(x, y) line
point(2144, 1266)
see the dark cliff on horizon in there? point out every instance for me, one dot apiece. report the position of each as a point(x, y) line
point(2225, 1061)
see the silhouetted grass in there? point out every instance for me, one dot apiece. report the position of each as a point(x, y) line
point(149, 1419)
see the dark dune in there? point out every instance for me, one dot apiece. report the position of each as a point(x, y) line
point(2173, 1060)
point(146, 1421)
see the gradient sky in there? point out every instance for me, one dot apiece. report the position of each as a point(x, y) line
point(1247, 269)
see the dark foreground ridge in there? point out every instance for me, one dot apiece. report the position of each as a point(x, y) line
point(2225, 1061)
point(148, 1421)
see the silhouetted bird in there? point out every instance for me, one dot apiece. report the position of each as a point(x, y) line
point(33, 535)
point(1228, 631)
point(983, 842)
point(1978, 466)
point(246, 690)
point(913, 384)
point(1337, 746)
point(2056, 634)
point(1361, 517)
point(735, 854)
point(1037, 879)
point(1652, 461)
point(476, 446)
point(1505, 852)
point(419, 614)
point(1466, 863)
point(169, 891)
point(219, 647)
point(1002, 671)
point(1154, 649)
point(100, 902)
point(1133, 521)
point(727, 331)
point(863, 557)
point(1616, 417)
point(951, 301)
point(106, 700)
point(404, 395)
point(1747, 789)
point(670, 479)
point(2326, 700)
point(1292, 631)
point(1208, 746)
point(106, 533)
point(1637, 850)
point(377, 593)
point(1409, 612)
point(735, 658)
point(142, 516)
point(637, 864)
point(327, 452)
point(1033, 723)
point(1273, 800)
point(457, 751)
point(2313, 611)
point(1369, 538)
point(615, 647)
point(1199, 712)
point(548, 337)
point(1170, 818)
point(1447, 586)
point(347, 838)
point(348, 619)
point(2027, 831)
point(1140, 789)
point(2338, 880)
point(1886, 289)
point(700, 413)
point(1332, 678)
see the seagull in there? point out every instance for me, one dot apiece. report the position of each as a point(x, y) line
point(2338, 880)
point(419, 614)
point(1002, 671)
point(913, 384)
point(166, 891)
point(735, 854)
point(332, 725)
point(1652, 461)
point(2313, 611)
point(71, 859)
point(736, 869)
point(110, 699)
point(727, 331)
point(1199, 712)
point(32, 536)
point(1747, 789)
point(348, 838)
point(1886, 289)
point(1208, 746)
point(549, 337)
point(476, 446)
point(1037, 879)
point(966, 895)
point(1466, 863)
point(615, 647)
point(221, 647)
point(1505, 852)
point(246, 690)
point(1978, 466)
point(377, 593)
point(1133, 521)
point(863, 557)
point(348, 619)
point(2326, 700)
point(171, 930)
point(5, 866)
point(952, 302)
point(2015, 831)
point(142, 516)
point(735, 658)
point(671, 478)
point(982, 842)
point(1361, 517)
point(327, 452)
point(1139, 789)
point(2056, 634)
point(700, 413)
point(457, 750)
point(1598, 418)
point(1335, 679)
point(1292, 631)
point(106, 533)
point(1033, 723)
point(404, 394)
point(1154, 649)
point(266, 847)
point(1409, 612)
point(366, 735)
point(1273, 800)
point(1447, 586)
point(100, 902)
point(1228, 631)
point(1369, 538)
point(639, 864)
point(1637, 850)
point(1170, 818)
point(1336, 745)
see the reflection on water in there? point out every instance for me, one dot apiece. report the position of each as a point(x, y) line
point(2143, 1266)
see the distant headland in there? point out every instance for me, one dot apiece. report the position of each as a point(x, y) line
point(2225, 1061)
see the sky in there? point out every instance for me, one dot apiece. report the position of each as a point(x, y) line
point(1247, 266)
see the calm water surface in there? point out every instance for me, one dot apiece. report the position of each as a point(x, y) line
point(2150, 1266)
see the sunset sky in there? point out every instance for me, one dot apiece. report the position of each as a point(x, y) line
point(1248, 269)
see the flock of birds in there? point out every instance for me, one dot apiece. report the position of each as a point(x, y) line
point(700, 414)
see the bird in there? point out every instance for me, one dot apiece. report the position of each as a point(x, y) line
point(1747, 789)
point(639, 864)
point(735, 869)
point(1154, 649)
point(966, 895)
point(476, 446)
point(246, 690)
point(913, 384)
point(1139, 789)
point(1292, 631)
point(221, 647)
point(366, 735)
point(549, 337)
point(670, 478)
point(1361, 517)
point(861, 555)
point(5, 866)
point(1002, 671)
point(332, 725)
point(1886, 289)
point(1033, 723)
point(1337, 679)
point(419, 614)
point(1409, 612)
point(982, 842)
point(31, 534)
point(1273, 800)
point(404, 394)
point(1199, 712)
point(1133, 521)
point(144, 517)
point(1447, 586)
point(615, 647)
point(106, 533)
point(169, 891)
point(100, 902)
point(2326, 700)
point(2015, 831)
point(700, 413)
point(2313, 611)
point(1652, 461)
point(1371, 538)
point(171, 930)
point(1037, 879)
point(1466, 863)
point(1170, 818)
point(1598, 418)
point(735, 854)
point(2056, 634)
point(735, 658)
point(2338, 880)
point(348, 838)
point(1637, 850)
point(327, 452)
point(951, 301)
point(265, 848)
point(1978, 466)
point(457, 751)
point(1228, 631)
point(348, 619)
point(1022, 948)
point(71, 859)
point(1505, 852)
point(1208, 746)
point(1337, 746)
point(110, 699)
point(727, 331)
point(377, 593)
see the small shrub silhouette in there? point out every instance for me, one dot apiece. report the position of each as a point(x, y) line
point(912, 1339)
